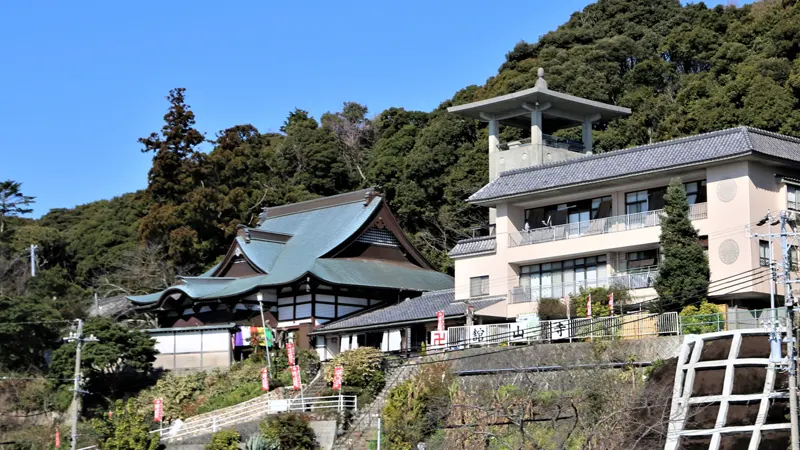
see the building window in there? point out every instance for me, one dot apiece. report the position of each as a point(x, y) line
point(635, 202)
point(575, 212)
point(792, 199)
point(763, 254)
point(696, 192)
point(558, 279)
point(479, 286)
point(642, 260)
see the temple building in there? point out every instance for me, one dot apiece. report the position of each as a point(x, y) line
point(309, 263)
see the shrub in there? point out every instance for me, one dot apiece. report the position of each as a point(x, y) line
point(415, 408)
point(224, 440)
point(363, 367)
point(291, 430)
point(259, 442)
point(308, 360)
point(125, 430)
point(553, 308)
point(599, 300)
point(705, 319)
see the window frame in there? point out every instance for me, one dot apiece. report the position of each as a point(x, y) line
point(763, 253)
point(482, 286)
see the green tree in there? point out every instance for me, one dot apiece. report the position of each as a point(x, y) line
point(125, 429)
point(25, 343)
point(291, 430)
point(415, 408)
point(13, 202)
point(683, 275)
point(115, 366)
point(175, 150)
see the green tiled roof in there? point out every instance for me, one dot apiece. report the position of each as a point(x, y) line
point(315, 233)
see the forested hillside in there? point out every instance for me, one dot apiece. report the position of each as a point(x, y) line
point(681, 69)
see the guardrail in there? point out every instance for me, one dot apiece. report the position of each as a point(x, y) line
point(640, 279)
point(595, 227)
point(628, 326)
point(215, 423)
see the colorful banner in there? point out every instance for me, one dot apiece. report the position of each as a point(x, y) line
point(158, 410)
point(58, 439)
point(296, 378)
point(290, 353)
point(259, 335)
point(338, 373)
point(264, 380)
point(439, 320)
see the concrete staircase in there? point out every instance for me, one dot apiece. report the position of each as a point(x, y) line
point(364, 427)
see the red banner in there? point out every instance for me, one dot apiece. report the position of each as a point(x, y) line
point(158, 410)
point(589, 306)
point(439, 320)
point(264, 380)
point(58, 439)
point(290, 352)
point(296, 378)
point(338, 372)
point(611, 303)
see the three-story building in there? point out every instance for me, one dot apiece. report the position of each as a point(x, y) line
point(568, 218)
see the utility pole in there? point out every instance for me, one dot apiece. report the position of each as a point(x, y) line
point(260, 298)
point(77, 337)
point(790, 340)
point(774, 339)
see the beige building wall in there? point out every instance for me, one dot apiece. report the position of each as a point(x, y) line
point(739, 193)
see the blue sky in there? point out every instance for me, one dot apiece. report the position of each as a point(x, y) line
point(81, 81)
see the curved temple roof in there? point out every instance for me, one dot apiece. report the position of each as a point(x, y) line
point(312, 236)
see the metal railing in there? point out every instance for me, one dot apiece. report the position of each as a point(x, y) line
point(628, 326)
point(595, 227)
point(273, 406)
point(638, 279)
point(548, 141)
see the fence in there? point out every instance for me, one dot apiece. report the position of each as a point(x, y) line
point(216, 422)
point(639, 279)
point(629, 326)
point(599, 226)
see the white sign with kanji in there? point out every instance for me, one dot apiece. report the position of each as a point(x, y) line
point(560, 329)
point(439, 320)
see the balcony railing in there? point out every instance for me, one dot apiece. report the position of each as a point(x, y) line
point(638, 279)
point(598, 226)
point(548, 141)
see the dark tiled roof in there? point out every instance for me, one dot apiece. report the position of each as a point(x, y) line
point(483, 244)
point(422, 308)
point(717, 145)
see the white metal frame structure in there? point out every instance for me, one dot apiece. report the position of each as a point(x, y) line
point(682, 399)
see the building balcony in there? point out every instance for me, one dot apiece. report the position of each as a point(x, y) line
point(595, 227)
point(641, 278)
point(547, 141)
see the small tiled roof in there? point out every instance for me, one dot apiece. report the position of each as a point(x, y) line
point(683, 152)
point(478, 245)
point(422, 308)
